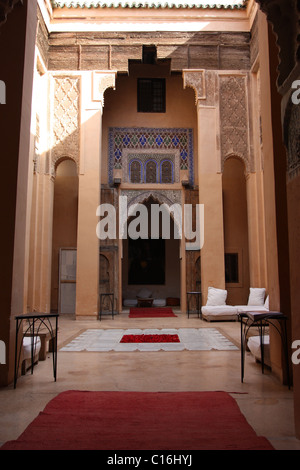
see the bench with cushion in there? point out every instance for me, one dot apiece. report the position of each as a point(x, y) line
point(216, 308)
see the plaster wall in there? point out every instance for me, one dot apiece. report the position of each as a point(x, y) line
point(120, 108)
point(236, 227)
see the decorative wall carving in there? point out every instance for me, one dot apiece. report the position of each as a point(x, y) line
point(165, 196)
point(195, 79)
point(234, 118)
point(142, 157)
point(284, 16)
point(145, 140)
point(102, 81)
point(6, 7)
point(66, 119)
point(292, 140)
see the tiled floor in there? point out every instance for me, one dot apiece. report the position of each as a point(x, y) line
point(265, 402)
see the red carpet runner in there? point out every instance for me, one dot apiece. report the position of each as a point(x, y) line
point(77, 420)
point(150, 339)
point(150, 312)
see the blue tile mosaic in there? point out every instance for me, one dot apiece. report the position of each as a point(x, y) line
point(121, 138)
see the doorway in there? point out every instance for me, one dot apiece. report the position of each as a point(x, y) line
point(64, 238)
point(152, 263)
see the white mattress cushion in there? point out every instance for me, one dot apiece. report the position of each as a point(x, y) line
point(257, 296)
point(219, 310)
point(27, 341)
point(267, 303)
point(216, 296)
point(251, 308)
point(159, 303)
point(254, 347)
point(130, 303)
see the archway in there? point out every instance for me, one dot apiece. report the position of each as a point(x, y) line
point(153, 264)
point(64, 239)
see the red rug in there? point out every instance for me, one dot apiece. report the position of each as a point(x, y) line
point(151, 312)
point(150, 339)
point(76, 420)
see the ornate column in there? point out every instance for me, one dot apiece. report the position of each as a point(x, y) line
point(93, 87)
point(209, 176)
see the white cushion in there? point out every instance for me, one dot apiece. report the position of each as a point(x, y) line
point(159, 303)
point(216, 296)
point(267, 303)
point(219, 310)
point(27, 341)
point(257, 296)
point(251, 308)
point(255, 349)
point(144, 294)
point(130, 303)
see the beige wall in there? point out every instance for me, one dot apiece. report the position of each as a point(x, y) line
point(236, 226)
point(120, 107)
point(65, 219)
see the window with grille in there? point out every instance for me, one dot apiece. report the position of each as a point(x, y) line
point(135, 171)
point(151, 172)
point(151, 95)
point(166, 175)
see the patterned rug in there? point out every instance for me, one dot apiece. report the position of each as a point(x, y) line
point(191, 339)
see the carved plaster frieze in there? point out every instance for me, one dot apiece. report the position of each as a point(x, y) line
point(168, 196)
point(234, 119)
point(65, 120)
point(195, 79)
point(102, 80)
point(284, 16)
point(6, 6)
point(292, 139)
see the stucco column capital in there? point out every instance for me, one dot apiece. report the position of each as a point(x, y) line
point(101, 81)
point(195, 78)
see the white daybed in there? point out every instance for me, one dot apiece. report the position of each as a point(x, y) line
point(216, 308)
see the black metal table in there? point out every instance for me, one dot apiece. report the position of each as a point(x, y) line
point(111, 299)
point(198, 296)
point(34, 322)
point(261, 320)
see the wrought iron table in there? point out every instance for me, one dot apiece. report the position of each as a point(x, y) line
point(34, 322)
point(261, 320)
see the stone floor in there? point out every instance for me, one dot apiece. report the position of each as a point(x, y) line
point(265, 402)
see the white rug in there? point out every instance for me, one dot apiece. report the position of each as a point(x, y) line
point(191, 339)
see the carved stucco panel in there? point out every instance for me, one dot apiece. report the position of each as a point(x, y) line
point(234, 119)
point(292, 140)
point(65, 136)
point(6, 6)
point(102, 80)
point(195, 79)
